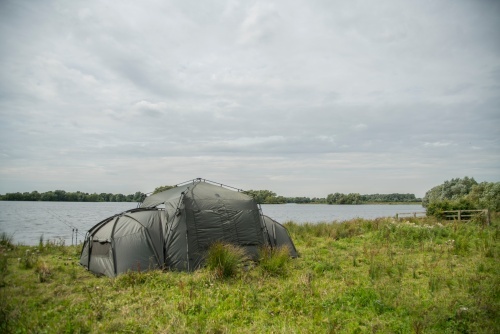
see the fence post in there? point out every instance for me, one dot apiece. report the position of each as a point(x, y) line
point(487, 213)
point(459, 215)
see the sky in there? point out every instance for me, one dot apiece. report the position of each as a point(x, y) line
point(301, 97)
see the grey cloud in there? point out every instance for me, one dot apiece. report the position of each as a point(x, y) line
point(323, 92)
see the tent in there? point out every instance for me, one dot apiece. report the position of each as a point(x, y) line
point(173, 229)
point(278, 236)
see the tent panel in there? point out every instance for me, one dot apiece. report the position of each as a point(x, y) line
point(104, 232)
point(283, 239)
point(176, 244)
point(125, 226)
point(102, 265)
point(278, 236)
point(84, 258)
point(170, 195)
point(134, 252)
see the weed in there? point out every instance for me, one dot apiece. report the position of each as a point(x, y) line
point(43, 270)
point(96, 301)
point(435, 283)
point(29, 259)
point(4, 266)
point(40, 244)
point(375, 270)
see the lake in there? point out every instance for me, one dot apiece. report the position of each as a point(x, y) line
point(27, 221)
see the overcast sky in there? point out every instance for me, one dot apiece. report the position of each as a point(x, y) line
point(304, 98)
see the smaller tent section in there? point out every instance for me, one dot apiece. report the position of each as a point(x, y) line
point(132, 240)
point(278, 236)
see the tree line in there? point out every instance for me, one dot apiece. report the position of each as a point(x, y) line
point(260, 196)
point(78, 196)
point(269, 197)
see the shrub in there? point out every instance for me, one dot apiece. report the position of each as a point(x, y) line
point(223, 259)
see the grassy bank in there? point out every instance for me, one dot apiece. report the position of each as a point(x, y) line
point(414, 276)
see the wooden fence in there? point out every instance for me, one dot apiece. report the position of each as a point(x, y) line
point(461, 215)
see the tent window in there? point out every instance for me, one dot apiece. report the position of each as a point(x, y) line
point(101, 249)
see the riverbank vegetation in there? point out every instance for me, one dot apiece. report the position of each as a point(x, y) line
point(462, 194)
point(378, 276)
point(261, 197)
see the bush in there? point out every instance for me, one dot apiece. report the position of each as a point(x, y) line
point(223, 259)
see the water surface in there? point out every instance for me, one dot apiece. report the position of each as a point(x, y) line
point(27, 221)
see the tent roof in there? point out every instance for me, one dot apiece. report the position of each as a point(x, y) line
point(198, 189)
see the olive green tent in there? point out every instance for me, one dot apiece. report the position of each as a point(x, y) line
point(278, 236)
point(173, 229)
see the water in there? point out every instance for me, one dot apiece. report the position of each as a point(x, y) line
point(315, 213)
point(27, 221)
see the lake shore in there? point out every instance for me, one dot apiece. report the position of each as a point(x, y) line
point(380, 275)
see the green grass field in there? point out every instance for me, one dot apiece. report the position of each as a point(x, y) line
point(359, 276)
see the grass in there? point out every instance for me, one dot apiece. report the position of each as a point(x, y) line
point(359, 276)
point(223, 259)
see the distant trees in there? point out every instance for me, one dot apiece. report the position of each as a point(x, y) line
point(384, 198)
point(462, 194)
point(63, 196)
point(338, 198)
point(265, 197)
point(270, 197)
point(355, 198)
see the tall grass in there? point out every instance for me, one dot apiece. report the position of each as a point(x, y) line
point(361, 276)
point(6, 241)
point(273, 261)
point(223, 259)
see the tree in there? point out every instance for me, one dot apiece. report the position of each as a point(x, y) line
point(161, 188)
point(449, 190)
point(486, 195)
point(261, 196)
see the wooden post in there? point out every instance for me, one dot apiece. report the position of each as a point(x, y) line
point(459, 215)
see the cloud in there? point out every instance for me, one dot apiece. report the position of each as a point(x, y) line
point(299, 97)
